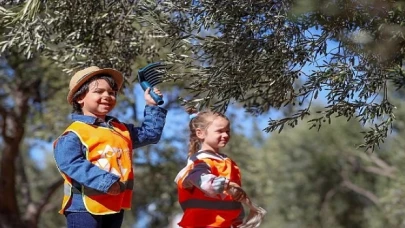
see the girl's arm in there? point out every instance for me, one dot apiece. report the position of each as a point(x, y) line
point(151, 128)
point(70, 160)
point(201, 177)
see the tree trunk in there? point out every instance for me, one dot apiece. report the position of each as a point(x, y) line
point(9, 212)
point(12, 131)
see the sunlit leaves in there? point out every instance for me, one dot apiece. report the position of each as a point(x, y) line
point(272, 54)
point(81, 33)
point(261, 54)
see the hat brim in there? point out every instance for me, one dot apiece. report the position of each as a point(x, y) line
point(116, 75)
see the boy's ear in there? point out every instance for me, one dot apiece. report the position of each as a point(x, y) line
point(199, 133)
point(80, 99)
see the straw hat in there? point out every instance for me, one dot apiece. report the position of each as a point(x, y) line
point(83, 75)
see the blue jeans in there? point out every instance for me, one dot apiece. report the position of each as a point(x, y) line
point(87, 220)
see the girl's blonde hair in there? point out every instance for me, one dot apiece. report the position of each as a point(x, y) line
point(201, 120)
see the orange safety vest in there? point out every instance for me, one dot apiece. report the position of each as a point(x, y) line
point(201, 210)
point(111, 150)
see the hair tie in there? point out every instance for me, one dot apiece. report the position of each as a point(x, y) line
point(194, 115)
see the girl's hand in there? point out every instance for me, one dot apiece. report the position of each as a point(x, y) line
point(148, 98)
point(237, 193)
point(115, 189)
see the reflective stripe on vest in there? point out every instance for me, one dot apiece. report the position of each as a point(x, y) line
point(109, 149)
point(67, 188)
point(204, 204)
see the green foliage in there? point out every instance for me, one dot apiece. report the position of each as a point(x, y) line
point(261, 54)
point(307, 170)
point(81, 33)
point(271, 54)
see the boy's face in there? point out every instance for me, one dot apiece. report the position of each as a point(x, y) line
point(99, 100)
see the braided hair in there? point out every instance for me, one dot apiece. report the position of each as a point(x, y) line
point(201, 120)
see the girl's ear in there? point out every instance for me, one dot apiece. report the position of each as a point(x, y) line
point(199, 133)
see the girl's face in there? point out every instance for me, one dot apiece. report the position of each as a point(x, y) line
point(99, 100)
point(216, 136)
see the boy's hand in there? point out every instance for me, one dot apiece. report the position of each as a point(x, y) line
point(237, 193)
point(115, 189)
point(148, 98)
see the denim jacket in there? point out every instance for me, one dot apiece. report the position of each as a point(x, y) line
point(69, 152)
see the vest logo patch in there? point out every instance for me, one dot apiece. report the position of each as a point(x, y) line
point(112, 154)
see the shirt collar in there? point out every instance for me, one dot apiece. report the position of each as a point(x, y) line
point(92, 119)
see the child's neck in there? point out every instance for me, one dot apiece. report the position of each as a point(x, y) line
point(210, 150)
point(101, 117)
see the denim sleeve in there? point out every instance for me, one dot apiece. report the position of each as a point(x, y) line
point(70, 159)
point(151, 129)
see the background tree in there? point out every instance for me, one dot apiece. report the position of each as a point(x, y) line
point(322, 179)
point(391, 190)
point(269, 54)
point(27, 87)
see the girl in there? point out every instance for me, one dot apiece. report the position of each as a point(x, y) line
point(94, 154)
point(209, 187)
